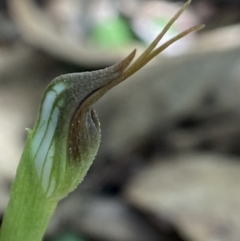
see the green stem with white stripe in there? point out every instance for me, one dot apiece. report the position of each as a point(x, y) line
point(29, 210)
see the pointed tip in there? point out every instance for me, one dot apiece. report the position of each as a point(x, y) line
point(201, 26)
point(186, 4)
point(126, 61)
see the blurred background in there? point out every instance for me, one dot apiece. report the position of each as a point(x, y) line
point(168, 168)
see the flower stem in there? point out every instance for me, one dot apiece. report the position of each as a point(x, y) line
point(29, 210)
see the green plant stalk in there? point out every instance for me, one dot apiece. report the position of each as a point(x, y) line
point(64, 141)
point(29, 211)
